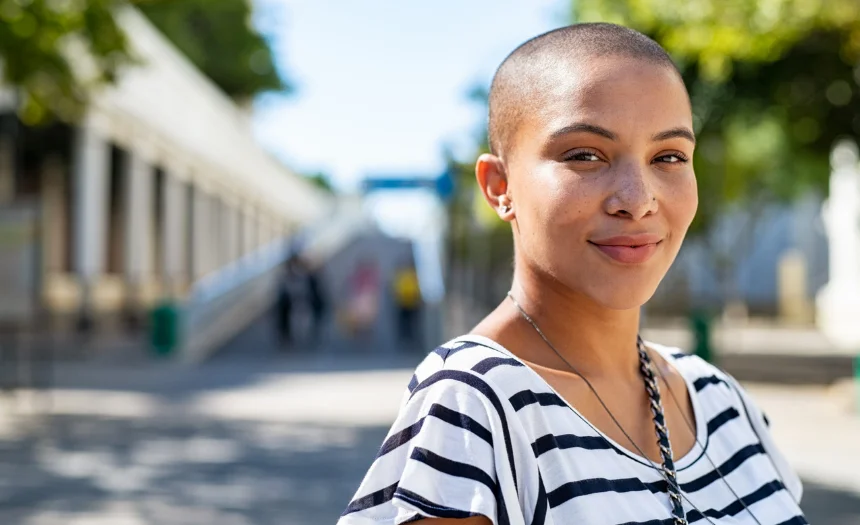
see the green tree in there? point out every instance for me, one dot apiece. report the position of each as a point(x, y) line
point(38, 38)
point(480, 245)
point(321, 181)
point(217, 36)
point(35, 57)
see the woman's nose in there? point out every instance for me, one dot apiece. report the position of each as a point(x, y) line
point(631, 193)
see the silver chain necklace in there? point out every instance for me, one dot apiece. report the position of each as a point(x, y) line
point(667, 470)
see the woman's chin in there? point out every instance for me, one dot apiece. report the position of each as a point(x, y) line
point(623, 303)
point(621, 297)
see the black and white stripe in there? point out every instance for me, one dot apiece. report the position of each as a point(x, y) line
point(480, 434)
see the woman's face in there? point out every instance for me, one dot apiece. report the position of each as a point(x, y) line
point(601, 180)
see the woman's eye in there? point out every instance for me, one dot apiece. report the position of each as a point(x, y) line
point(672, 158)
point(583, 156)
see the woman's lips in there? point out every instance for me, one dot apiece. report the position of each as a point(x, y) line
point(629, 249)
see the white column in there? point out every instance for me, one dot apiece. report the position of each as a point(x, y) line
point(839, 301)
point(90, 163)
point(258, 228)
point(236, 229)
point(219, 232)
point(265, 228)
point(226, 234)
point(139, 176)
point(200, 217)
point(173, 232)
point(238, 219)
point(241, 219)
point(214, 233)
point(249, 236)
point(231, 231)
point(205, 226)
point(188, 221)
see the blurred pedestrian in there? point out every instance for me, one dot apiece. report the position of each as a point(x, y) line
point(290, 293)
point(363, 304)
point(407, 300)
point(317, 301)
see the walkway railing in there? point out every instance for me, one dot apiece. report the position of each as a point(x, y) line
point(224, 302)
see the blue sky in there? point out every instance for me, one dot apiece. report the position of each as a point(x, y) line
point(381, 84)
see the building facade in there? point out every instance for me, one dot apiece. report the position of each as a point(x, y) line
point(159, 185)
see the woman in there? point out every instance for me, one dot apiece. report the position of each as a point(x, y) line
point(552, 410)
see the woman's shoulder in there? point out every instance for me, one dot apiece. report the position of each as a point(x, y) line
point(699, 372)
point(476, 361)
point(448, 451)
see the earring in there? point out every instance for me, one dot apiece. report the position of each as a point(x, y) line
point(506, 208)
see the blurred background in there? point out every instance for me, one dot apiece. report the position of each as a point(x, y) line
point(229, 229)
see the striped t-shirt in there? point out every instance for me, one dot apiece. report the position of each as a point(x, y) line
point(481, 433)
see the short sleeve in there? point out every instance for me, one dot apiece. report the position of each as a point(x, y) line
point(437, 461)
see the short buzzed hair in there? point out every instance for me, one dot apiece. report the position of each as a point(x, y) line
point(516, 83)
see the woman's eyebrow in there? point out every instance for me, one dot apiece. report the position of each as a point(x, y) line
point(680, 132)
point(580, 127)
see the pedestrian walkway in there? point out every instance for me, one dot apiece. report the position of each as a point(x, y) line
point(765, 352)
point(273, 441)
point(748, 337)
point(285, 441)
point(804, 416)
point(258, 435)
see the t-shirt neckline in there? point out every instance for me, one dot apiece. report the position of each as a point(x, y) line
point(687, 460)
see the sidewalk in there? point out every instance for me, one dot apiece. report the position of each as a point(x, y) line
point(817, 430)
point(755, 351)
point(285, 440)
point(263, 439)
point(766, 352)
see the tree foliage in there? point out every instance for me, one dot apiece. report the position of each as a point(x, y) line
point(467, 204)
point(322, 181)
point(774, 84)
point(37, 38)
point(218, 38)
point(34, 37)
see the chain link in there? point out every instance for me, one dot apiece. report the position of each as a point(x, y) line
point(656, 403)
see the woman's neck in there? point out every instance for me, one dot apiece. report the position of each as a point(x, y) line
point(599, 342)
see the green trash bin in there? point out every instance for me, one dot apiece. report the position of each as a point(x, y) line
point(700, 324)
point(164, 328)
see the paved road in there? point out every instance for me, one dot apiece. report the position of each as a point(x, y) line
point(252, 437)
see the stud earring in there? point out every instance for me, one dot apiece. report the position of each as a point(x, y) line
point(506, 208)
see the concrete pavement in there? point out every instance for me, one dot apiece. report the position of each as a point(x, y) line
point(818, 431)
point(258, 437)
point(765, 351)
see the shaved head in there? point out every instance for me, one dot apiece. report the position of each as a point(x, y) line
point(525, 78)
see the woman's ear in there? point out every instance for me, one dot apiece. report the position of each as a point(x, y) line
point(493, 181)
